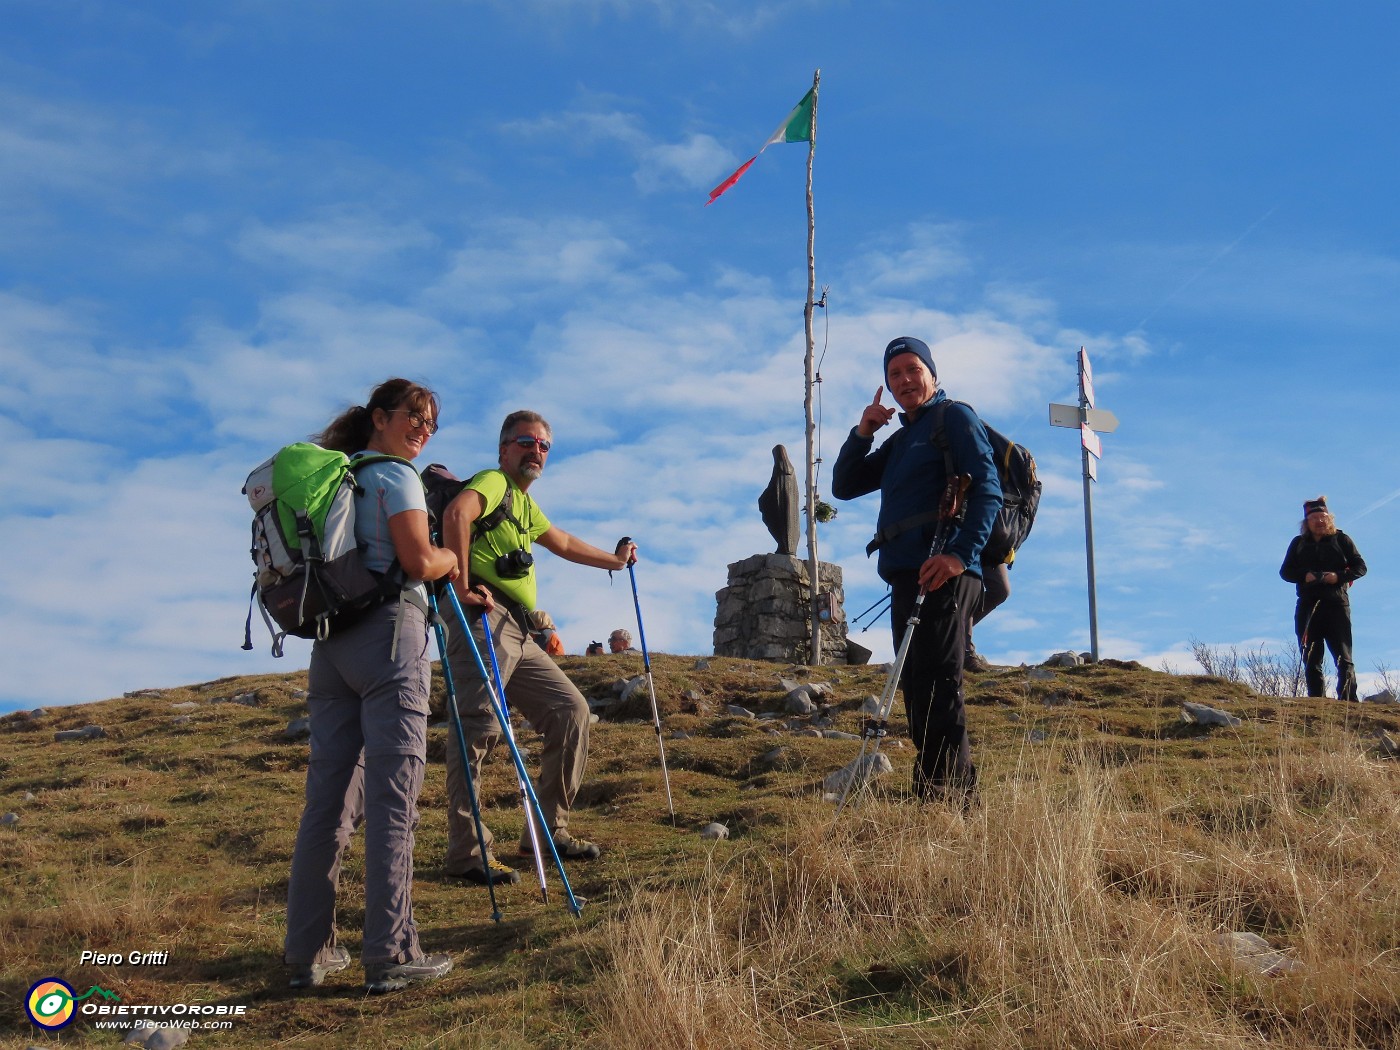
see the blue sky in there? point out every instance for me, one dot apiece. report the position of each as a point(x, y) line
point(220, 224)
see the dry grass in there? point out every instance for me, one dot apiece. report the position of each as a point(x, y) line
point(1078, 906)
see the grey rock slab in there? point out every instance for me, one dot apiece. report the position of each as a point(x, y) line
point(863, 770)
point(1201, 715)
point(1253, 952)
point(86, 733)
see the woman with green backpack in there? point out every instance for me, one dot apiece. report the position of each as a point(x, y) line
point(368, 701)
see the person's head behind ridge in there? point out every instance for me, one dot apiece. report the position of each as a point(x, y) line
point(1317, 519)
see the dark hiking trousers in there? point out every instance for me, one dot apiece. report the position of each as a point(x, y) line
point(996, 588)
point(1326, 621)
point(932, 680)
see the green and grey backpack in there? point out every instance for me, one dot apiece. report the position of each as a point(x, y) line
point(309, 572)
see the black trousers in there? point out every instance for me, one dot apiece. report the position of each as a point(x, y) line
point(1326, 621)
point(932, 680)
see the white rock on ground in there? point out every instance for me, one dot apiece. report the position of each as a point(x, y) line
point(1201, 715)
point(864, 770)
point(1252, 951)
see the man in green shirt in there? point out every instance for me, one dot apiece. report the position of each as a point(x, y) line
point(492, 526)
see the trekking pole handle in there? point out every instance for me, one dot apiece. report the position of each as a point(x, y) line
point(953, 505)
point(631, 558)
point(951, 510)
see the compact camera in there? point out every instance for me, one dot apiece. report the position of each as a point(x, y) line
point(514, 565)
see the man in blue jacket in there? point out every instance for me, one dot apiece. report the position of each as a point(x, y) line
point(911, 470)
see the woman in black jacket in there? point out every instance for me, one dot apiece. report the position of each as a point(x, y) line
point(1323, 562)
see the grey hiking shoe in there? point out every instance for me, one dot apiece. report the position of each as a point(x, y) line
point(569, 847)
point(975, 661)
point(310, 975)
point(390, 977)
point(495, 873)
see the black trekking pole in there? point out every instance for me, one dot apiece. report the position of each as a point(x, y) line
point(510, 733)
point(950, 509)
point(461, 735)
point(651, 686)
point(503, 719)
point(875, 609)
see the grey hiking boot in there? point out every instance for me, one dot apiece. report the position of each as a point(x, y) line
point(569, 847)
point(974, 661)
point(310, 975)
point(495, 873)
point(390, 977)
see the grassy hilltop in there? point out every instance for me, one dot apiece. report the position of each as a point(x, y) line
point(1081, 905)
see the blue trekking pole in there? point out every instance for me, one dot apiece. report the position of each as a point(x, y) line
point(651, 686)
point(504, 719)
point(462, 745)
point(510, 735)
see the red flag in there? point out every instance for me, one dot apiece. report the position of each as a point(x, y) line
point(714, 193)
point(796, 127)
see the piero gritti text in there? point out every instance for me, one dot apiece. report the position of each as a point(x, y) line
point(124, 958)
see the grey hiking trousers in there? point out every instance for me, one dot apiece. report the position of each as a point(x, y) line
point(369, 730)
point(539, 690)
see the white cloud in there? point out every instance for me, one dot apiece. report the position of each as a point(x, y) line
point(343, 243)
point(583, 127)
point(917, 257)
point(731, 18)
point(698, 162)
point(695, 160)
point(665, 407)
point(308, 356)
point(512, 264)
point(48, 147)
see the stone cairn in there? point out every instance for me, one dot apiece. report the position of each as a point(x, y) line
point(765, 611)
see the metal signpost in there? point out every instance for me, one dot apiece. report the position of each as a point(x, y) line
point(1090, 422)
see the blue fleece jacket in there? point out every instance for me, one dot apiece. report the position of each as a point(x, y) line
point(909, 471)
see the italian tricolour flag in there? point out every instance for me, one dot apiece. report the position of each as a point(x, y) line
point(796, 128)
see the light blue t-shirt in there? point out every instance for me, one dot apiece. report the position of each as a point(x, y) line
point(386, 489)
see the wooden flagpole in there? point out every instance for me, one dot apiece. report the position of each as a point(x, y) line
point(812, 560)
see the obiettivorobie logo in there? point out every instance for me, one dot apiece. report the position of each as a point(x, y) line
point(51, 1003)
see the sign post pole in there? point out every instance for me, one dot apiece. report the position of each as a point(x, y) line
point(1090, 421)
point(1089, 553)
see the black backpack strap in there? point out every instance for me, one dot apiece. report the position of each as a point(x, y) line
point(940, 435)
point(503, 512)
